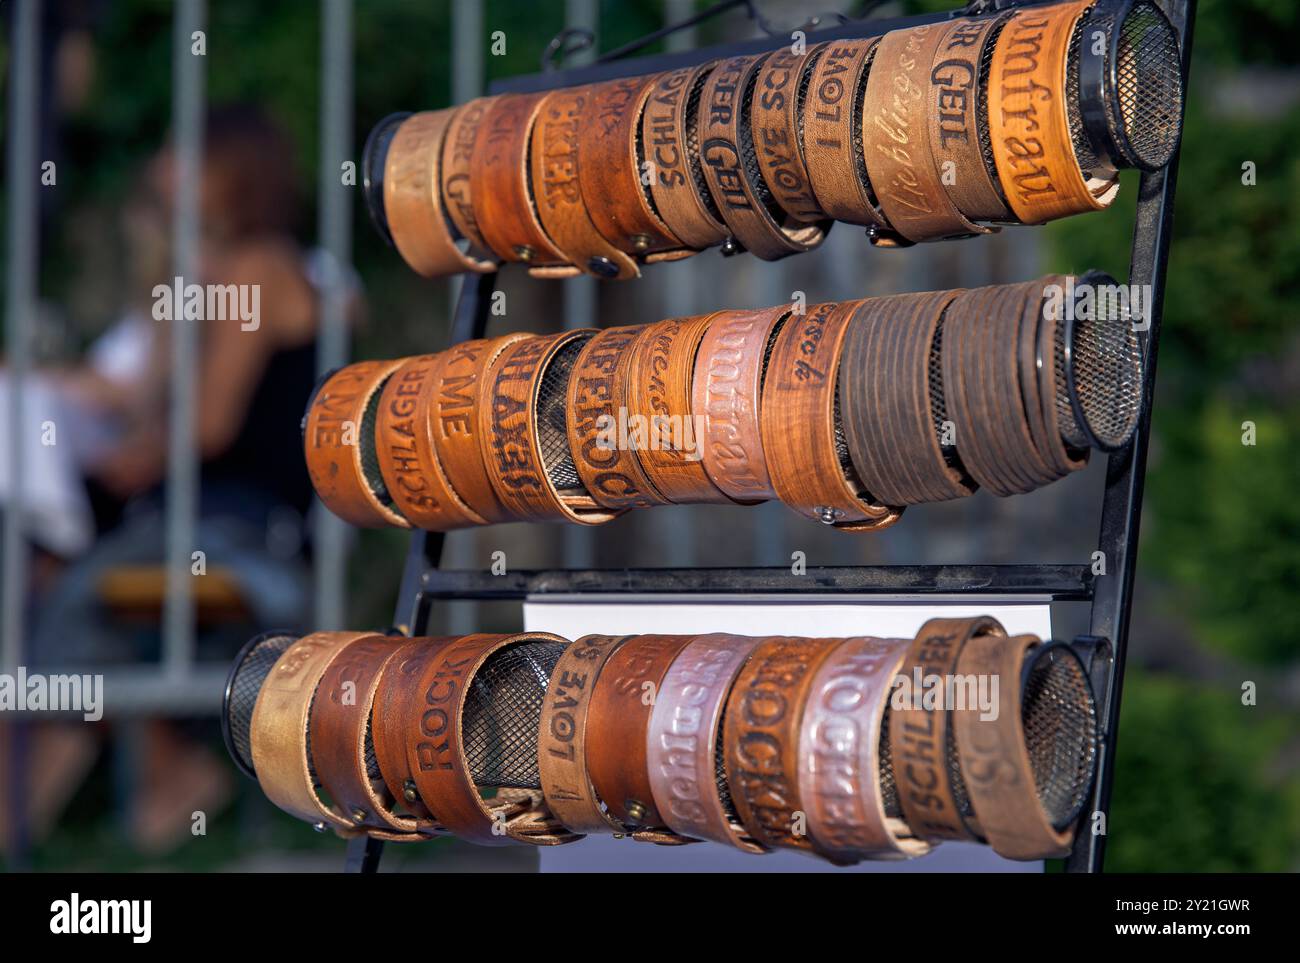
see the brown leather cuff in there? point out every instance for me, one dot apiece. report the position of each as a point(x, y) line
point(731, 168)
point(840, 748)
point(810, 469)
point(413, 206)
point(502, 188)
point(727, 394)
point(1029, 121)
point(776, 120)
point(670, 141)
point(457, 162)
point(524, 444)
point(619, 720)
point(659, 399)
point(339, 445)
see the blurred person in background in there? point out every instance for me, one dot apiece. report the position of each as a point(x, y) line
point(253, 382)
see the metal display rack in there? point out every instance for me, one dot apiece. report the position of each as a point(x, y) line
point(1110, 595)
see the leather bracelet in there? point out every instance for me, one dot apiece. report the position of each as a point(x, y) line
point(556, 167)
point(610, 171)
point(890, 424)
point(1028, 120)
point(840, 754)
point(957, 126)
point(922, 746)
point(899, 154)
point(502, 189)
point(395, 701)
point(452, 399)
point(731, 168)
point(798, 421)
point(404, 446)
point(1041, 325)
point(776, 119)
point(684, 740)
point(659, 394)
point(670, 139)
point(436, 756)
point(619, 720)
point(761, 737)
point(597, 401)
point(994, 760)
point(562, 741)
point(511, 426)
point(832, 133)
point(279, 727)
point(413, 203)
point(339, 446)
point(340, 724)
point(727, 393)
point(457, 162)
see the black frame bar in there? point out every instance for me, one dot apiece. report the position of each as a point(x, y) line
point(1110, 594)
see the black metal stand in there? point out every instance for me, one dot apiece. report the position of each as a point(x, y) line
point(1110, 594)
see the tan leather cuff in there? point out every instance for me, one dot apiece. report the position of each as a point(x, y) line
point(670, 142)
point(513, 427)
point(896, 138)
point(457, 162)
point(279, 727)
point(731, 171)
point(1029, 121)
point(597, 397)
point(839, 745)
point(659, 398)
point(413, 205)
point(684, 739)
point(808, 470)
point(502, 188)
point(832, 133)
point(727, 393)
point(562, 742)
point(619, 720)
point(994, 760)
point(339, 445)
point(775, 124)
point(560, 206)
point(435, 753)
point(761, 738)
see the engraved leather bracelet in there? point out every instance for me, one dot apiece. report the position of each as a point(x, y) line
point(670, 141)
point(923, 749)
point(776, 121)
point(659, 376)
point(809, 471)
point(413, 205)
point(457, 162)
point(619, 719)
point(1029, 121)
point(995, 763)
point(731, 168)
point(685, 737)
point(436, 756)
point(408, 461)
point(761, 738)
point(556, 165)
point(512, 429)
point(726, 394)
point(887, 401)
point(339, 444)
point(279, 727)
point(609, 172)
point(896, 138)
point(840, 754)
point(958, 128)
point(340, 728)
point(502, 188)
point(832, 133)
point(452, 399)
point(597, 396)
